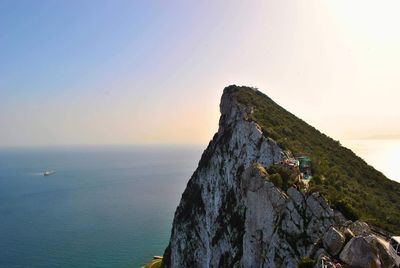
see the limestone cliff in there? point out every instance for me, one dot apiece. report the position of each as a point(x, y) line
point(231, 215)
point(234, 214)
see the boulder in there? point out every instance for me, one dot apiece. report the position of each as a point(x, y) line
point(360, 228)
point(359, 253)
point(333, 241)
point(383, 252)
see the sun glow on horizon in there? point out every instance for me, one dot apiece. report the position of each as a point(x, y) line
point(139, 73)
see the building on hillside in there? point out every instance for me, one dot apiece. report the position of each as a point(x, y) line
point(305, 166)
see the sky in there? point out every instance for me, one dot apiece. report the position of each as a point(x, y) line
point(144, 72)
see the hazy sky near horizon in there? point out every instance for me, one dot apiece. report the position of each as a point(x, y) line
point(128, 72)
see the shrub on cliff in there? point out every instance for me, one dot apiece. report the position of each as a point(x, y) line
point(346, 208)
point(276, 179)
point(369, 194)
point(283, 173)
point(306, 262)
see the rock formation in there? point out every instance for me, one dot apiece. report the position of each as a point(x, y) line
point(232, 215)
point(333, 241)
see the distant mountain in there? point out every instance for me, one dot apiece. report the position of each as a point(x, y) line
point(240, 209)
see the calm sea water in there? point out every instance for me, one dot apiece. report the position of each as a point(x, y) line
point(104, 207)
point(107, 206)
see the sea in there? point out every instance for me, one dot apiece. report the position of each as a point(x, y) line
point(107, 206)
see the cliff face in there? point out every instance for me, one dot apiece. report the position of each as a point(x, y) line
point(231, 215)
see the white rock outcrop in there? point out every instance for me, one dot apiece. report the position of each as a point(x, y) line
point(231, 215)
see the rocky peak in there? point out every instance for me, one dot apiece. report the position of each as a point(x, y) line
point(232, 215)
point(231, 110)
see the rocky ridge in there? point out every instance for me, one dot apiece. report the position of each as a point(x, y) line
point(352, 244)
point(232, 215)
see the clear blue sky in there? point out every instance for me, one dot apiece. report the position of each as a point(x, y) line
point(117, 72)
point(51, 46)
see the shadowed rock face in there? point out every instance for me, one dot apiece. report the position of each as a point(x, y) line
point(359, 253)
point(231, 215)
point(333, 241)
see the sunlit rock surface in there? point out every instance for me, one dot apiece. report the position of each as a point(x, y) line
point(231, 215)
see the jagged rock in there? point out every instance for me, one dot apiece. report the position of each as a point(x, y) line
point(382, 251)
point(360, 228)
point(359, 253)
point(333, 241)
point(263, 203)
point(231, 215)
point(296, 196)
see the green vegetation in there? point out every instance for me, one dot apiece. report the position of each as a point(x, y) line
point(280, 176)
point(347, 181)
point(155, 263)
point(276, 179)
point(346, 208)
point(306, 262)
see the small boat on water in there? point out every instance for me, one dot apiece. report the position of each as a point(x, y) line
point(48, 172)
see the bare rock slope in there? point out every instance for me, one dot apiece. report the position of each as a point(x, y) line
point(231, 215)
